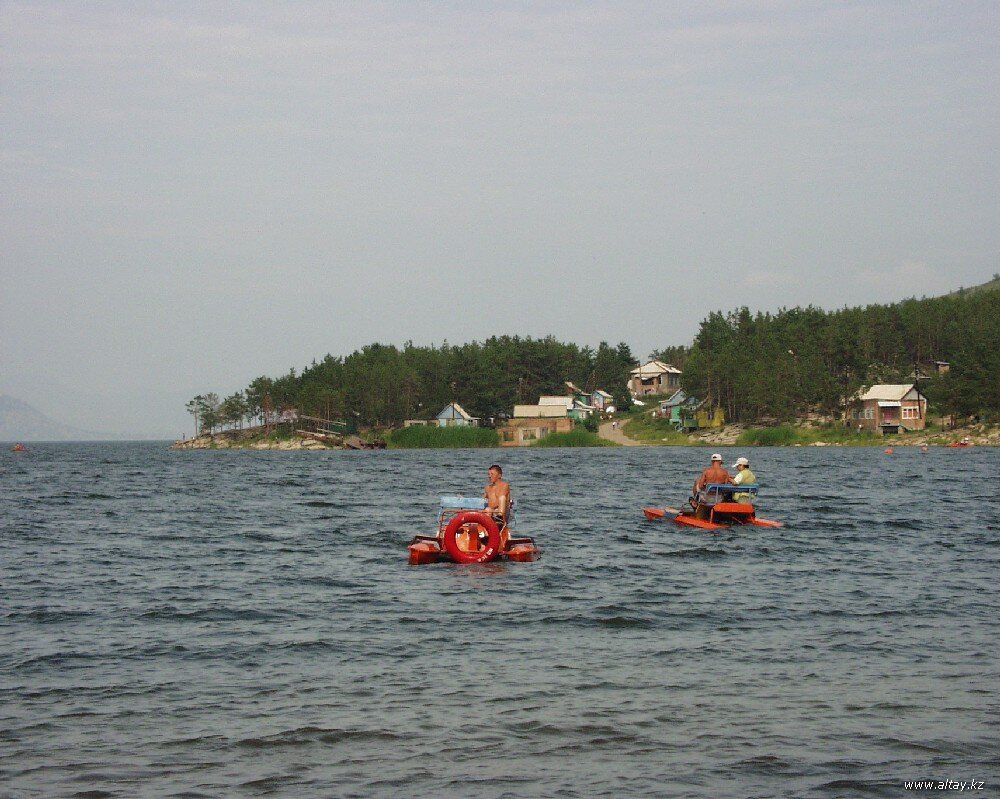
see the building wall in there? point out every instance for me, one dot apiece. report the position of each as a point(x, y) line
point(522, 432)
point(536, 411)
point(711, 417)
point(912, 415)
point(458, 421)
point(665, 383)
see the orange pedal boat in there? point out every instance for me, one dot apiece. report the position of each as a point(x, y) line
point(715, 509)
point(467, 534)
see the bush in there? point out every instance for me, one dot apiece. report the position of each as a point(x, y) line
point(577, 437)
point(786, 435)
point(443, 437)
point(768, 437)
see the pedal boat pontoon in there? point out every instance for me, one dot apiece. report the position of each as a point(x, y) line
point(716, 509)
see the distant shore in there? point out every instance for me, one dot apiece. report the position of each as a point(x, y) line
point(728, 436)
point(281, 439)
point(644, 433)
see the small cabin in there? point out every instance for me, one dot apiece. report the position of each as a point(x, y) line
point(601, 400)
point(522, 431)
point(888, 409)
point(454, 415)
point(654, 377)
point(673, 408)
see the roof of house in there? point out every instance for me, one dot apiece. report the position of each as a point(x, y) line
point(457, 411)
point(654, 368)
point(572, 387)
point(677, 398)
point(887, 392)
point(603, 393)
point(565, 402)
point(544, 411)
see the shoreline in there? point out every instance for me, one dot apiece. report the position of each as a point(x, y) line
point(219, 441)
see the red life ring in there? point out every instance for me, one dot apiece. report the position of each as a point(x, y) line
point(459, 555)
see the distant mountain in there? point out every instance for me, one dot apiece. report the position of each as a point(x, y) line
point(20, 422)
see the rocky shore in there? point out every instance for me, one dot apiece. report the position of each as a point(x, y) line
point(282, 438)
point(978, 435)
point(224, 441)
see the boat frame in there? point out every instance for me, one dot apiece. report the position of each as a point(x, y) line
point(714, 509)
point(426, 549)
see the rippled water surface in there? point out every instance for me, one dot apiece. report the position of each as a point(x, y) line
point(205, 624)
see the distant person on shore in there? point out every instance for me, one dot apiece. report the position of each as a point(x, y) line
point(716, 473)
point(743, 477)
point(497, 494)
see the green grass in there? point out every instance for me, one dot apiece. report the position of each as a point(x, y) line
point(788, 435)
point(442, 438)
point(577, 437)
point(643, 427)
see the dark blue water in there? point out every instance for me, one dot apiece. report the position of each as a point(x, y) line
point(206, 624)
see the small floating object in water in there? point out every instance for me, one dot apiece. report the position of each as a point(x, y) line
point(888, 450)
point(923, 448)
point(19, 448)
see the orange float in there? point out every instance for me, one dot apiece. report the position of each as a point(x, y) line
point(467, 534)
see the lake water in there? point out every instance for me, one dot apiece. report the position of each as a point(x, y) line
point(237, 623)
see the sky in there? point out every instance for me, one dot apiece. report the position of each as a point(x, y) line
point(195, 194)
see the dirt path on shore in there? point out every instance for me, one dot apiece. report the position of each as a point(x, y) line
point(611, 433)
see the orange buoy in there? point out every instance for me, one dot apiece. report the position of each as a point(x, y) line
point(888, 450)
point(474, 553)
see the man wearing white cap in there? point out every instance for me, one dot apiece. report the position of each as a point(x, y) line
point(716, 473)
point(744, 477)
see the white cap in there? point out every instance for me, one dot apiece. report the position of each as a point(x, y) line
point(716, 457)
point(741, 462)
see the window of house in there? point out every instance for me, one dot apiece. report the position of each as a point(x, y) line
point(911, 413)
point(869, 413)
point(529, 434)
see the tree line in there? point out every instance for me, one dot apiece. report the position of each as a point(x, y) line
point(763, 366)
point(382, 385)
point(800, 360)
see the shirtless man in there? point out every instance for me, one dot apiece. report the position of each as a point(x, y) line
point(715, 473)
point(497, 493)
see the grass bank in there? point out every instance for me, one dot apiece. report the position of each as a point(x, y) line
point(789, 435)
point(642, 427)
point(578, 437)
point(443, 438)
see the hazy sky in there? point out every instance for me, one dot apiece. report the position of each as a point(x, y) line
point(198, 193)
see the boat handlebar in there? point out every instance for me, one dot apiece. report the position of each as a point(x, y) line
point(742, 489)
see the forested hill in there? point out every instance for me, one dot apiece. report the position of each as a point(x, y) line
point(384, 385)
point(755, 366)
point(992, 285)
point(785, 364)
